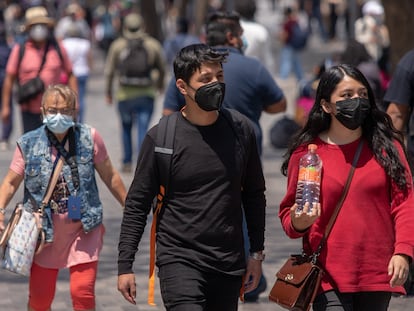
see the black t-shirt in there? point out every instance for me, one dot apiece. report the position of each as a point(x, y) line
point(401, 91)
point(202, 223)
point(401, 88)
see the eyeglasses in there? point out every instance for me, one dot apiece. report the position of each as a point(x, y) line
point(66, 111)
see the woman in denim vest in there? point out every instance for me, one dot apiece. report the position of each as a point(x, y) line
point(74, 237)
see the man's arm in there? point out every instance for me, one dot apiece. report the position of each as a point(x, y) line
point(279, 106)
point(109, 70)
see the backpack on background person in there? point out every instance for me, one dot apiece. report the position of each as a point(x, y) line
point(134, 66)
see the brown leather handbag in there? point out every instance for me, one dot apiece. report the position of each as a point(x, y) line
point(297, 282)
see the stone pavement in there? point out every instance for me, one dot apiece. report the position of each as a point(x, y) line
point(13, 288)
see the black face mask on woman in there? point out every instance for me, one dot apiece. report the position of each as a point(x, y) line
point(352, 112)
point(209, 97)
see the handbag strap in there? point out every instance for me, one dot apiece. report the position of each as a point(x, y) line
point(52, 182)
point(341, 200)
point(21, 53)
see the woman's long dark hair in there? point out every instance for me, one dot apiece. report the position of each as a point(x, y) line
point(377, 129)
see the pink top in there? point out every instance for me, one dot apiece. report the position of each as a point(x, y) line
point(30, 65)
point(75, 246)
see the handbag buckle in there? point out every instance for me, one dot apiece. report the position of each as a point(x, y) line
point(289, 277)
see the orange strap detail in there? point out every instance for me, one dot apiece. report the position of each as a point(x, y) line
point(241, 294)
point(151, 281)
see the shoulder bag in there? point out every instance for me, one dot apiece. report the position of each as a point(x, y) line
point(34, 86)
point(297, 282)
point(23, 236)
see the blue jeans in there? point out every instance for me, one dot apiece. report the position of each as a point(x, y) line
point(6, 128)
point(289, 59)
point(82, 82)
point(140, 108)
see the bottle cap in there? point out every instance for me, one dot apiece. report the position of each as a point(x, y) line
point(312, 147)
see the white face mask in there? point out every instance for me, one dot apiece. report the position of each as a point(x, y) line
point(39, 32)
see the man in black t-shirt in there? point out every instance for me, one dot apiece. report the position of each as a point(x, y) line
point(215, 175)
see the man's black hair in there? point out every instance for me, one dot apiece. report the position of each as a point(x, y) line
point(246, 8)
point(191, 58)
point(219, 24)
point(182, 25)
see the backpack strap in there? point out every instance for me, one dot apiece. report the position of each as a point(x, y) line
point(22, 49)
point(164, 149)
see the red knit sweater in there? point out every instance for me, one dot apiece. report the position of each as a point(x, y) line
point(375, 221)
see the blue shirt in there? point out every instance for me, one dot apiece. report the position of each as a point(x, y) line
point(250, 88)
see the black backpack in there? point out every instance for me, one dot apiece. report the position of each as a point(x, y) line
point(133, 64)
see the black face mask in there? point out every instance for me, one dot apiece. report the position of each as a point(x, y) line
point(352, 112)
point(209, 97)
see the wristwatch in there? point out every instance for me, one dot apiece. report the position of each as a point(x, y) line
point(257, 256)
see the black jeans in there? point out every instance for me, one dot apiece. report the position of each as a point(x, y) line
point(185, 288)
point(360, 301)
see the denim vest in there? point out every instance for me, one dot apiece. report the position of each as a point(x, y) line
point(36, 150)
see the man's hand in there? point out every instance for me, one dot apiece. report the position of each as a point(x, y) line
point(253, 274)
point(127, 287)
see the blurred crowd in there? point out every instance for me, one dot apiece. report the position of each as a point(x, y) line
point(100, 23)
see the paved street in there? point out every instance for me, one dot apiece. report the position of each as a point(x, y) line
point(13, 288)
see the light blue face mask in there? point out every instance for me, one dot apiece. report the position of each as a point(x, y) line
point(58, 123)
point(245, 43)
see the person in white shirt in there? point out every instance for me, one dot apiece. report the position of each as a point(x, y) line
point(80, 53)
point(257, 39)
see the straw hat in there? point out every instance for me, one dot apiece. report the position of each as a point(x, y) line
point(38, 15)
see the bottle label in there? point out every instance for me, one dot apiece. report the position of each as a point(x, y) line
point(309, 173)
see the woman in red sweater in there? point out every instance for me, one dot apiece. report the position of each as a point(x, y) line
point(367, 254)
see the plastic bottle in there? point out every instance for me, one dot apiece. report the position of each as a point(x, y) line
point(309, 179)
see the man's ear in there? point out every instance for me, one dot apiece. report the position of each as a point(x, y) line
point(181, 86)
point(231, 39)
